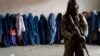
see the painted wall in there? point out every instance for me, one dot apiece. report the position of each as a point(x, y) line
point(38, 7)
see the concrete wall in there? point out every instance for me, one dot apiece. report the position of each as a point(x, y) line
point(38, 7)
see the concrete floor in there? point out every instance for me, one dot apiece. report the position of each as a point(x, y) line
point(43, 50)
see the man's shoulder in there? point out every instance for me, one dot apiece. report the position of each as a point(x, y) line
point(64, 17)
point(82, 18)
point(80, 15)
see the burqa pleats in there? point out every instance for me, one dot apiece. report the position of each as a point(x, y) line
point(36, 30)
point(91, 26)
point(43, 29)
point(58, 37)
point(25, 34)
point(6, 31)
point(98, 28)
point(30, 29)
point(51, 28)
point(1, 29)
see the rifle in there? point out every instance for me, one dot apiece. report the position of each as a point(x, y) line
point(79, 33)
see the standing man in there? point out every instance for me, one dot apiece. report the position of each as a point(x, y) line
point(72, 40)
